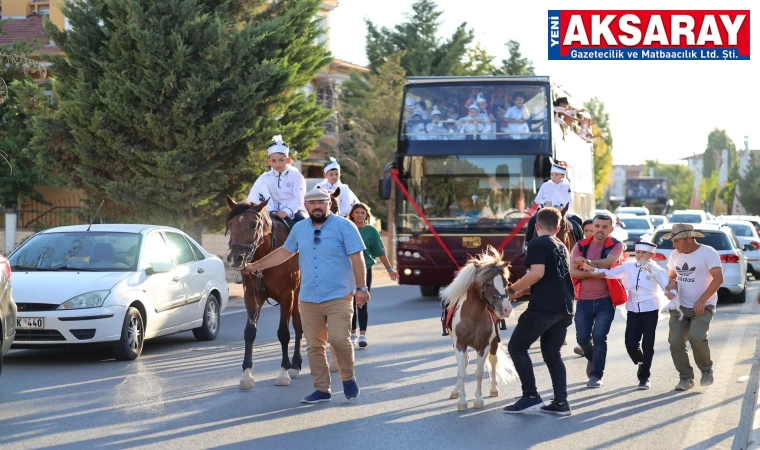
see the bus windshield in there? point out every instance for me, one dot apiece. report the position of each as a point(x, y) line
point(495, 110)
point(467, 193)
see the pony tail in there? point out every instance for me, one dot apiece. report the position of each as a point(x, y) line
point(505, 368)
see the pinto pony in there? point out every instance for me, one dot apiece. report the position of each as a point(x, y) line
point(253, 235)
point(475, 301)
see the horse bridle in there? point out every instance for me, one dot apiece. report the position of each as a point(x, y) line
point(495, 297)
point(258, 235)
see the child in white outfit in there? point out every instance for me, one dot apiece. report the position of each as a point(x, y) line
point(283, 186)
point(332, 182)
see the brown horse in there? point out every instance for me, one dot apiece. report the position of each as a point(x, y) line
point(253, 235)
point(475, 300)
point(565, 233)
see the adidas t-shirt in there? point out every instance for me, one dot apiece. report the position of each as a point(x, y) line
point(693, 274)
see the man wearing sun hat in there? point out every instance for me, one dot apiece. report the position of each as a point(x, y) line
point(330, 256)
point(697, 270)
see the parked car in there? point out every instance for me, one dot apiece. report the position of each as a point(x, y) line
point(115, 285)
point(688, 216)
point(636, 227)
point(635, 210)
point(732, 257)
point(747, 236)
point(658, 220)
point(754, 220)
point(7, 310)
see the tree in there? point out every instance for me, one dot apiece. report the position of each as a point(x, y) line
point(168, 105)
point(515, 64)
point(424, 53)
point(602, 145)
point(19, 178)
point(479, 62)
point(707, 189)
point(749, 186)
point(717, 141)
point(680, 181)
point(369, 128)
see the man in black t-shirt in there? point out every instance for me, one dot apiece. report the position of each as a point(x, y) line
point(549, 313)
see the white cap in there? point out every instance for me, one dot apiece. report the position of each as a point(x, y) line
point(332, 165)
point(556, 168)
point(434, 112)
point(278, 146)
point(645, 246)
point(480, 99)
point(473, 106)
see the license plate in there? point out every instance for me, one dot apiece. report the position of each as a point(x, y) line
point(30, 322)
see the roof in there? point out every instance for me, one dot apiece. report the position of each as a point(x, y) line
point(28, 30)
point(109, 228)
point(473, 79)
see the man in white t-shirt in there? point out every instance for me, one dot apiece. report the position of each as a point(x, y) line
point(698, 273)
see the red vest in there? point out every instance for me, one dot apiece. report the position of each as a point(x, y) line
point(617, 292)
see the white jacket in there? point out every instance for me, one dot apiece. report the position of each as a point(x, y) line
point(346, 198)
point(557, 194)
point(285, 190)
point(645, 288)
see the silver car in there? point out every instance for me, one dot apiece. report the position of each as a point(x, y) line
point(7, 310)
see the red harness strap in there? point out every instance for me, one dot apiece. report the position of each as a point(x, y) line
point(450, 316)
point(394, 175)
point(520, 225)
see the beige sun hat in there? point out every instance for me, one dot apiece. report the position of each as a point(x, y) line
point(316, 194)
point(682, 230)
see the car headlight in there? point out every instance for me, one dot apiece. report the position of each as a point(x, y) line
point(92, 299)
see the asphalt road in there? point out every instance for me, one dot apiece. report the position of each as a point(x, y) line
point(183, 394)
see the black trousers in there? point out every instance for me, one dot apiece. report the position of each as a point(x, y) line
point(362, 312)
point(551, 328)
point(639, 340)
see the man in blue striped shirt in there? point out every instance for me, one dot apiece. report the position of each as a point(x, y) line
point(332, 267)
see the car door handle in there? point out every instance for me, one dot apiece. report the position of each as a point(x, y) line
point(175, 279)
point(200, 270)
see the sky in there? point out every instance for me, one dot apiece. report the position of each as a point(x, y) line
point(660, 110)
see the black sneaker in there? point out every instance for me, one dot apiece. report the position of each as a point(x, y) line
point(560, 409)
point(524, 405)
point(643, 384)
point(589, 368)
point(639, 370)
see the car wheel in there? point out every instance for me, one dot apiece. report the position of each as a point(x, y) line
point(429, 290)
point(741, 297)
point(132, 336)
point(209, 329)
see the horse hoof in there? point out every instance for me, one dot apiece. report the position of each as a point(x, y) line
point(246, 381)
point(494, 393)
point(479, 404)
point(282, 381)
point(462, 406)
point(294, 373)
point(454, 395)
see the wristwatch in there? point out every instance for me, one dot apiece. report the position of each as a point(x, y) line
point(389, 269)
point(363, 289)
point(510, 291)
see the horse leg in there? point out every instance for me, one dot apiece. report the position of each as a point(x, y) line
point(461, 375)
point(246, 381)
point(283, 335)
point(295, 369)
point(479, 370)
point(494, 382)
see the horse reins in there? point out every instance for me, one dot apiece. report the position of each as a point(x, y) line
point(250, 250)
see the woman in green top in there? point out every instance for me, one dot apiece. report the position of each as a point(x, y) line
point(360, 216)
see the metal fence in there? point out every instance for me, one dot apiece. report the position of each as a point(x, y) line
point(38, 216)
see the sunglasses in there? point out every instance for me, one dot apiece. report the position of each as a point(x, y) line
point(317, 239)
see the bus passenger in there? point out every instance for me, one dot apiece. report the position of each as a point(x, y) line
point(415, 129)
point(470, 125)
point(453, 132)
point(486, 118)
point(516, 117)
point(435, 129)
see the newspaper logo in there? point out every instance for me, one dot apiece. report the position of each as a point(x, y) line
point(649, 35)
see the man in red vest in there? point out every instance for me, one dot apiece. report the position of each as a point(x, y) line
point(594, 311)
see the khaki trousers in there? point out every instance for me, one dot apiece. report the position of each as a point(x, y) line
point(316, 319)
point(693, 328)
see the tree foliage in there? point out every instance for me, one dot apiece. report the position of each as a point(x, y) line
point(717, 141)
point(680, 180)
point(515, 64)
point(602, 145)
point(749, 186)
point(168, 105)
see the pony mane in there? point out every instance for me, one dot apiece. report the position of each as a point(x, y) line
point(478, 270)
point(242, 207)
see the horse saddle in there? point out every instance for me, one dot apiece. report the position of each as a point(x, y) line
point(288, 222)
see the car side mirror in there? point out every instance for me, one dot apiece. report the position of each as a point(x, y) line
point(749, 248)
point(384, 186)
point(160, 267)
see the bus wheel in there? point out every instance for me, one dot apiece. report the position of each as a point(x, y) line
point(428, 290)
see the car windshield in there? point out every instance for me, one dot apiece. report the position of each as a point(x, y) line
point(686, 218)
point(742, 230)
point(636, 224)
point(89, 250)
point(657, 221)
point(715, 239)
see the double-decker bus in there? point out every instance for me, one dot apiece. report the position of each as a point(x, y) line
point(473, 175)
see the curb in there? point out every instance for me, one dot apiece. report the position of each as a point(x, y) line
point(748, 432)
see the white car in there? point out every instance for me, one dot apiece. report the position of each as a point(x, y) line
point(7, 310)
point(747, 236)
point(635, 210)
point(732, 257)
point(115, 285)
point(688, 216)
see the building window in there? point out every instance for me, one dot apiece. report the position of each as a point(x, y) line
point(326, 96)
point(322, 22)
point(44, 11)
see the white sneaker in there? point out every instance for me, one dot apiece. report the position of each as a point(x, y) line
point(354, 339)
point(363, 341)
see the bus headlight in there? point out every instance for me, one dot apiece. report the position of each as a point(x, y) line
point(416, 255)
point(407, 272)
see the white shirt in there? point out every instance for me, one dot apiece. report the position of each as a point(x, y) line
point(346, 198)
point(435, 130)
point(693, 274)
point(514, 113)
point(285, 190)
point(557, 194)
point(645, 289)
